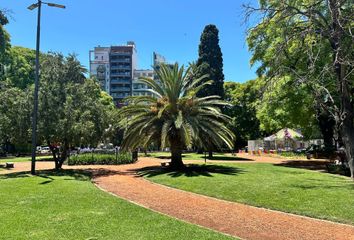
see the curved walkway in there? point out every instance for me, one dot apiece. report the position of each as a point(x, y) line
point(231, 218)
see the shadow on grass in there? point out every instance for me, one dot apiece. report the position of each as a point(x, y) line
point(190, 171)
point(49, 175)
point(214, 158)
point(167, 157)
point(304, 164)
point(325, 186)
point(229, 158)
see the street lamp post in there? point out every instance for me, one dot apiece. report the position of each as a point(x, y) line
point(36, 81)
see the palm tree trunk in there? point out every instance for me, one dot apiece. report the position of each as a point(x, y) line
point(176, 153)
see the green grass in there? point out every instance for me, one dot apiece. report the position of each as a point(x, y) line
point(23, 159)
point(195, 156)
point(69, 206)
point(298, 191)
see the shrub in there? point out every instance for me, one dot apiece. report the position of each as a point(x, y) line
point(292, 155)
point(101, 159)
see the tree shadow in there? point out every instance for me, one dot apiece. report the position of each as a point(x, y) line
point(334, 184)
point(49, 175)
point(191, 170)
point(214, 158)
point(167, 157)
point(304, 164)
point(103, 172)
point(229, 158)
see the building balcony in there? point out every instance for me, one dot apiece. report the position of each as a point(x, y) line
point(120, 95)
point(120, 60)
point(120, 53)
point(120, 74)
point(123, 67)
point(121, 89)
point(120, 81)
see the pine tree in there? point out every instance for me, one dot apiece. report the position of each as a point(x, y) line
point(210, 61)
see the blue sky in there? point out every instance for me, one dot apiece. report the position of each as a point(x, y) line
point(169, 27)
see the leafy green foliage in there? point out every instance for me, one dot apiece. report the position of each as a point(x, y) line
point(72, 110)
point(312, 43)
point(176, 118)
point(15, 116)
point(284, 104)
point(210, 62)
point(244, 98)
point(4, 43)
point(100, 159)
point(20, 67)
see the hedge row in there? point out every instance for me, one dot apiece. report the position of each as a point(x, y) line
point(100, 159)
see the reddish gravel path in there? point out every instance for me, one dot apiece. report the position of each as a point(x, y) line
point(232, 218)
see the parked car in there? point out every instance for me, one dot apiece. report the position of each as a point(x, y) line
point(85, 150)
point(45, 150)
point(300, 150)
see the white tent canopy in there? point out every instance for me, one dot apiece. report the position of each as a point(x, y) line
point(285, 133)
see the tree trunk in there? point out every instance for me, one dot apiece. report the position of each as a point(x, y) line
point(326, 123)
point(210, 154)
point(64, 155)
point(55, 153)
point(346, 117)
point(347, 129)
point(176, 153)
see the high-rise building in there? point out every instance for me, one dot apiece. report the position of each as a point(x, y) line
point(114, 68)
point(158, 59)
point(139, 87)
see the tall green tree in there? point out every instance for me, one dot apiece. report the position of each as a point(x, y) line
point(4, 43)
point(244, 98)
point(15, 117)
point(177, 117)
point(20, 67)
point(284, 105)
point(311, 41)
point(72, 110)
point(210, 62)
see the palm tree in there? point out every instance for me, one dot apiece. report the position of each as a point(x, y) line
point(176, 117)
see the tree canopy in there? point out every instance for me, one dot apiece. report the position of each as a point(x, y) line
point(4, 43)
point(72, 109)
point(210, 62)
point(243, 97)
point(19, 70)
point(311, 42)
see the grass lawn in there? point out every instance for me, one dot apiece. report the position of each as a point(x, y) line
point(23, 159)
point(287, 189)
point(195, 156)
point(69, 206)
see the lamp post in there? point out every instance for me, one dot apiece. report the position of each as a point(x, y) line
point(36, 81)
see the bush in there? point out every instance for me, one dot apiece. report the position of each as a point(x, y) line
point(101, 159)
point(292, 155)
